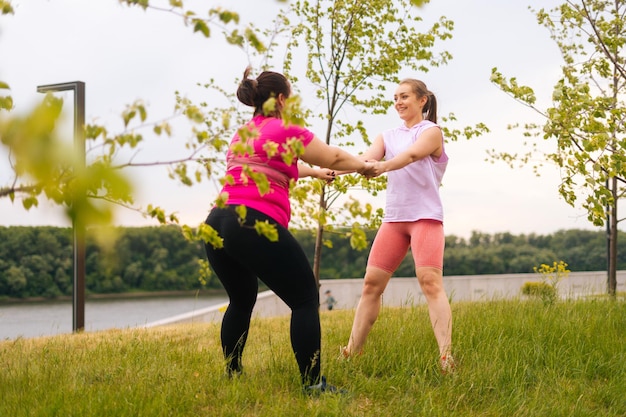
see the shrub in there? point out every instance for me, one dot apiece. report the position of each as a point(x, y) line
point(547, 289)
point(540, 289)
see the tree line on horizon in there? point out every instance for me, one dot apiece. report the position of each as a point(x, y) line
point(37, 261)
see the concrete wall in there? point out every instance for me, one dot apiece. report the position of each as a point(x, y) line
point(406, 291)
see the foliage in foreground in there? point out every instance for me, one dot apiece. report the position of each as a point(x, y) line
point(516, 358)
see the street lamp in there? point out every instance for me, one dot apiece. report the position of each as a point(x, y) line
point(78, 224)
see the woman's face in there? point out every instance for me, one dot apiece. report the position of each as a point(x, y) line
point(406, 103)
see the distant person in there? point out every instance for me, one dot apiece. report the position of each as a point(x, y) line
point(414, 159)
point(330, 300)
point(282, 265)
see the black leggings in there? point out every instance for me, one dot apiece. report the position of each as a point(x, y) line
point(283, 267)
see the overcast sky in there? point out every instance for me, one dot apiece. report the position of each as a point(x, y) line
point(124, 54)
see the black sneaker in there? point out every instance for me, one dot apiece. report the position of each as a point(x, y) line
point(323, 387)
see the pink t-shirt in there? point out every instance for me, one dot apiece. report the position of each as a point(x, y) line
point(413, 191)
point(274, 203)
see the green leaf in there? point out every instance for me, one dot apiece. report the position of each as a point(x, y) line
point(209, 235)
point(30, 202)
point(234, 38)
point(358, 239)
point(201, 26)
point(5, 7)
point(228, 16)
point(266, 229)
point(254, 40)
point(242, 211)
point(143, 114)
point(142, 3)
point(6, 102)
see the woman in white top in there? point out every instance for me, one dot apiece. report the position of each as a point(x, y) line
point(414, 159)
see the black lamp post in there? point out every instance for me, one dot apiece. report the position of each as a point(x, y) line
point(78, 223)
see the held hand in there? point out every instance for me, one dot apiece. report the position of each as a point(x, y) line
point(367, 169)
point(372, 169)
point(378, 169)
point(326, 174)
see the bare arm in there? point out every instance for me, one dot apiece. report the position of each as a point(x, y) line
point(375, 152)
point(428, 143)
point(325, 174)
point(319, 154)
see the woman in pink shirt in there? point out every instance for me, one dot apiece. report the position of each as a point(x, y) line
point(262, 147)
point(414, 159)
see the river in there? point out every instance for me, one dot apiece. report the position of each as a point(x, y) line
point(52, 318)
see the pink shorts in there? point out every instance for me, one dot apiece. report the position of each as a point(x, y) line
point(425, 238)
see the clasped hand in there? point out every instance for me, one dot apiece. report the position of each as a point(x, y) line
point(371, 169)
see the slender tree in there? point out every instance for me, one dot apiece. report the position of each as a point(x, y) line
point(586, 121)
point(354, 51)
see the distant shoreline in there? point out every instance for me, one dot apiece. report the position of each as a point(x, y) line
point(115, 296)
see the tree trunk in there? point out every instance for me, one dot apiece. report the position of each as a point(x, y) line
point(319, 238)
point(612, 272)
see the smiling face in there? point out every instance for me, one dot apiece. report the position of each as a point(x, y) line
point(408, 105)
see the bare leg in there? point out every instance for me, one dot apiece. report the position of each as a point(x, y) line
point(368, 308)
point(431, 282)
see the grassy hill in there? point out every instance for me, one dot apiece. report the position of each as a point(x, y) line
point(516, 358)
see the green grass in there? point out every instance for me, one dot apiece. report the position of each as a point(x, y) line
point(516, 358)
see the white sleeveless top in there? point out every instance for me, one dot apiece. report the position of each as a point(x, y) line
point(413, 191)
